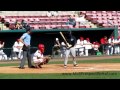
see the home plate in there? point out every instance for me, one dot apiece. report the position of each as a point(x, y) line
point(84, 68)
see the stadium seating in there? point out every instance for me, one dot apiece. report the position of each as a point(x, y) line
point(39, 20)
point(103, 16)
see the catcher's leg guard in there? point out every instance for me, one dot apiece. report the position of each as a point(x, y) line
point(37, 65)
point(40, 66)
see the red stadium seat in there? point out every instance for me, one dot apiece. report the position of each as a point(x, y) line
point(88, 26)
point(66, 26)
point(94, 12)
point(103, 12)
point(100, 21)
point(47, 26)
point(94, 15)
point(82, 26)
point(104, 21)
point(36, 27)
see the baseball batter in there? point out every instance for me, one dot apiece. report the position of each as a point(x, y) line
point(72, 41)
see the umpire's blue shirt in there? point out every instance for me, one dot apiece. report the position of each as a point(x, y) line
point(26, 38)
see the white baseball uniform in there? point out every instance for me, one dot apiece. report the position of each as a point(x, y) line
point(110, 47)
point(119, 45)
point(80, 44)
point(116, 41)
point(2, 54)
point(87, 46)
point(16, 49)
point(38, 57)
point(63, 48)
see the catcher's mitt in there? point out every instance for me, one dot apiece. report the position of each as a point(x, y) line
point(47, 59)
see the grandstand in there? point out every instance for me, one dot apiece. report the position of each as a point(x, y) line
point(103, 17)
point(40, 20)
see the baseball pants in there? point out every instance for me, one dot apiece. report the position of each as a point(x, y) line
point(3, 55)
point(72, 52)
point(26, 54)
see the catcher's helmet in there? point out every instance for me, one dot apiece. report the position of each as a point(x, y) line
point(40, 46)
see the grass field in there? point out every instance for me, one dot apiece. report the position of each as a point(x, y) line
point(78, 75)
point(92, 75)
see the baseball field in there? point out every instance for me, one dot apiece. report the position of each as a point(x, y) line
point(97, 67)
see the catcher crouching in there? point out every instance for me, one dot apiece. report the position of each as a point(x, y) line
point(38, 57)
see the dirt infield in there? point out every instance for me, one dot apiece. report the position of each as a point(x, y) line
point(58, 68)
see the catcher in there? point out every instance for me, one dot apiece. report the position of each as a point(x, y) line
point(38, 57)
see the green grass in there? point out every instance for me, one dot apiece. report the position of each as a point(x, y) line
point(91, 75)
point(90, 61)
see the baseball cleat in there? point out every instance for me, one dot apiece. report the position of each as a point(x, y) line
point(75, 65)
point(65, 66)
point(21, 67)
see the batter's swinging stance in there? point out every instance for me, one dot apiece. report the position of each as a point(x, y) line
point(71, 50)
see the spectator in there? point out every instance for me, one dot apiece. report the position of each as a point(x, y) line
point(49, 14)
point(2, 23)
point(110, 22)
point(11, 27)
point(2, 19)
point(7, 24)
point(18, 25)
point(52, 13)
point(23, 23)
point(71, 21)
point(80, 19)
point(27, 26)
point(100, 25)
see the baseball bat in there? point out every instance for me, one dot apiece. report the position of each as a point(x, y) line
point(64, 39)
